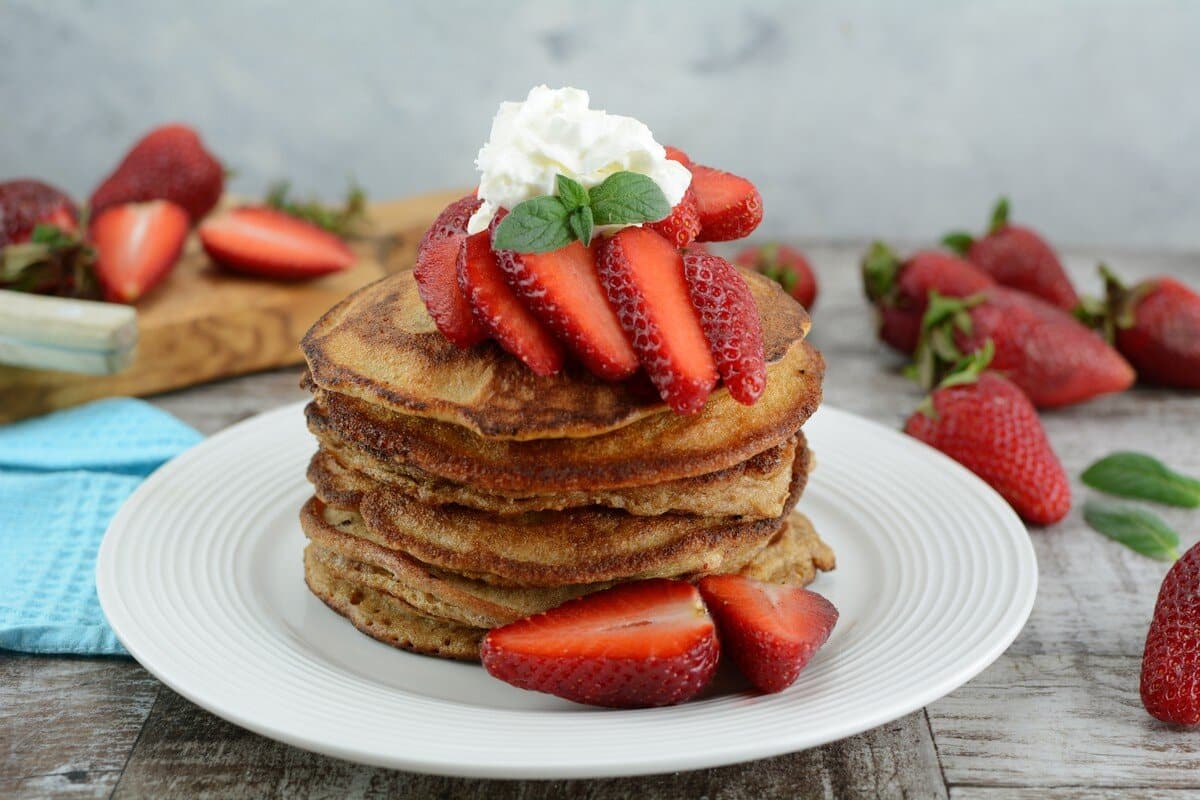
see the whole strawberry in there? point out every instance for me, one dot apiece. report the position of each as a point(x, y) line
point(1017, 257)
point(1053, 357)
point(169, 163)
point(27, 203)
point(900, 290)
point(1156, 325)
point(986, 423)
point(785, 265)
point(1171, 662)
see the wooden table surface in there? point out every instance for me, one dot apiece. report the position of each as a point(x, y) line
point(1056, 716)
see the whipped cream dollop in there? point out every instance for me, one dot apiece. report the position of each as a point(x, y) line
point(553, 132)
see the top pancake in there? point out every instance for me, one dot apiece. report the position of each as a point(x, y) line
point(379, 345)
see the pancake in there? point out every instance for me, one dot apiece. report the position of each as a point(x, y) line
point(656, 449)
point(339, 540)
point(755, 489)
point(380, 346)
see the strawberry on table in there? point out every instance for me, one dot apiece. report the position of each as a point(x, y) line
point(785, 265)
point(1171, 662)
point(169, 163)
point(271, 244)
point(986, 423)
point(730, 321)
point(1017, 257)
point(26, 203)
point(136, 245)
point(501, 312)
point(436, 274)
point(647, 643)
point(900, 289)
point(730, 206)
point(770, 631)
point(643, 275)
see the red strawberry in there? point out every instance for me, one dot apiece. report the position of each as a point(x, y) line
point(1156, 325)
point(563, 290)
point(266, 242)
point(900, 290)
point(675, 154)
point(169, 163)
point(26, 203)
point(436, 274)
point(730, 207)
point(1019, 258)
point(643, 275)
point(699, 248)
point(683, 225)
point(501, 312)
point(137, 244)
point(1171, 662)
point(770, 631)
point(730, 322)
point(986, 423)
point(1054, 358)
point(647, 643)
point(785, 265)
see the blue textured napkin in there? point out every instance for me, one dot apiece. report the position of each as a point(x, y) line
point(62, 478)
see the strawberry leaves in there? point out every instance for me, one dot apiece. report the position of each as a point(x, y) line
point(547, 223)
point(1143, 477)
point(1136, 528)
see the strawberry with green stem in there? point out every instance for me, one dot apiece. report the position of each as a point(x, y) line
point(785, 265)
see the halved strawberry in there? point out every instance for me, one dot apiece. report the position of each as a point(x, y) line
point(501, 312)
point(675, 154)
point(770, 631)
point(266, 242)
point(730, 207)
point(563, 290)
point(436, 274)
point(643, 275)
point(683, 226)
point(729, 318)
point(136, 246)
point(647, 643)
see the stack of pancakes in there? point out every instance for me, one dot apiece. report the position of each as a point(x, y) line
point(456, 491)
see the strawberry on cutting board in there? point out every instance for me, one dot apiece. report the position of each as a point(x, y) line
point(1171, 662)
point(770, 631)
point(643, 275)
point(269, 243)
point(436, 274)
point(136, 246)
point(785, 265)
point(730, 321)
point(169, 163)
point(1017, 257)
point(986, 423)
point(730, 206)
point(27, 203)
point(647, 643)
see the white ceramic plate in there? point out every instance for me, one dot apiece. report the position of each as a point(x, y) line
point(200, 576)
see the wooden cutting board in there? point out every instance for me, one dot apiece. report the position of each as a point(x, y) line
point(203, 323)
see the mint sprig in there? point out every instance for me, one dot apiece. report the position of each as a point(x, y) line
point(1144, 477)
point(1136, 528)
point(553, 221)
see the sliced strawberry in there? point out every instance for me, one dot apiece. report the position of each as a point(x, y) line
point(729, 318)
point(683, 226)
point(136, 246)
point(647, 643)
point(563, 290)
point(272, 244)
point(501, 312)
point(770, 631)
point(643, 275)
point(675, 154)
point(436, 274)
point(730, 207)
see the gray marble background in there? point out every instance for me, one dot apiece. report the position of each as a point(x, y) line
point(890, 119)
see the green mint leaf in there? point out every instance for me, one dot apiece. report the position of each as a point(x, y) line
point(535, 226)
point(582, 224)
point(959, 242)
point(626, 198)
point(1135, 528)
point(571, 193)
point(1144, 477)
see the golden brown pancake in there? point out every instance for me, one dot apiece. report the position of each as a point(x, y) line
point(655, 449)
point(755, 489)
point(380, 346)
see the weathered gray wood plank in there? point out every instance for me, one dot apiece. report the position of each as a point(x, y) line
point(1069, 793)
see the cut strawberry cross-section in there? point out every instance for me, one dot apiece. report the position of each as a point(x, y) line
point(683, 225)
point(501, 312)
point(729, 318)
point(730, 206)
point(643, 275)
point(137, 244)
point(267, 242)
point(563, 290)
point(436, 274)
point(647, 643)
